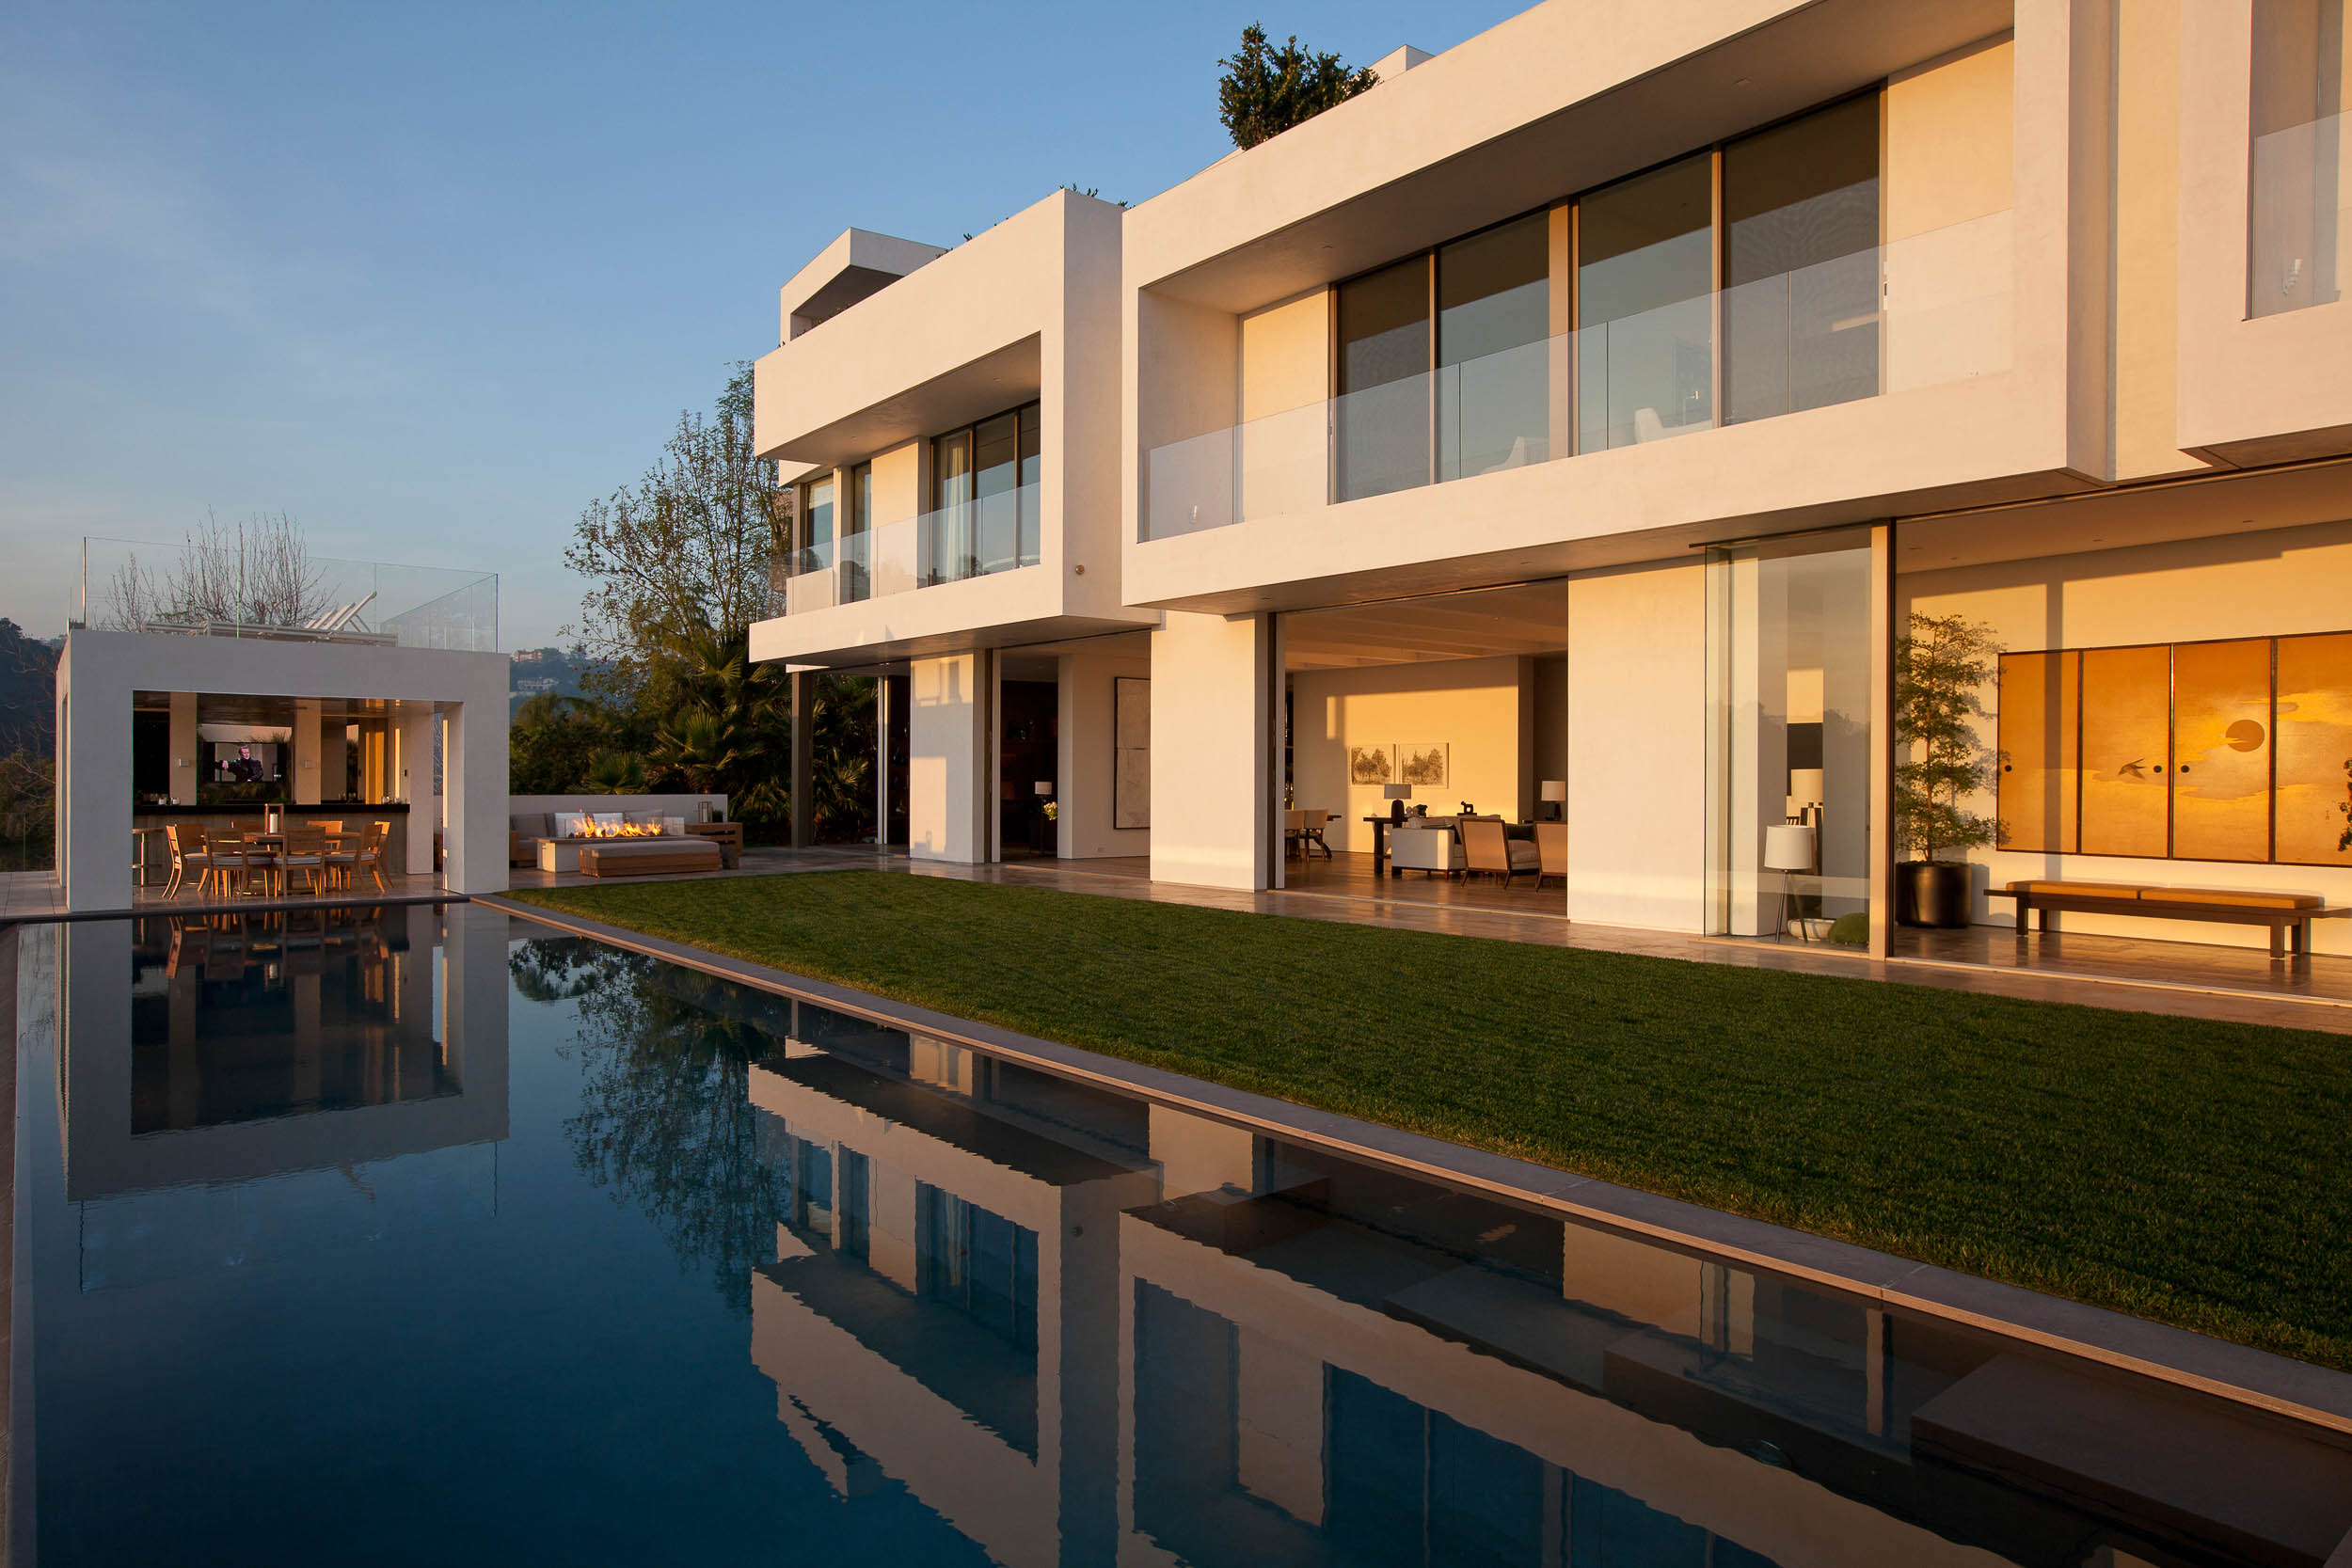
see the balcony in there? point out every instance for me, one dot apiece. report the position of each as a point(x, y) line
point(981, 537)
point(228, 587)
point(1921, 311)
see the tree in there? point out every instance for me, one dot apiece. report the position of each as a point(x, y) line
point(256, 574)
point(1264, 91)
point(687, 546)
point(1939, 666)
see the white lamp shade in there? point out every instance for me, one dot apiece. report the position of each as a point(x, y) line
point(1555, 789)
point(1789, 846)
point(1396, 792)
point(1045, 786)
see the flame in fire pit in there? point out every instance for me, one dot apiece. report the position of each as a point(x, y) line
point(624, 829)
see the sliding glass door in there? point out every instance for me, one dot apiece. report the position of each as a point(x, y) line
point(1644, 315)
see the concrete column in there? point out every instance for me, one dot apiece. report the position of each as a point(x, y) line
point(305, 782)
point(1884, 631)
point(473, 768)
point(412, 782)
point(186, 767)
point(947, 750)
point(1210, 724)
point(805, 738)
point(95, 737)
point(334, 759)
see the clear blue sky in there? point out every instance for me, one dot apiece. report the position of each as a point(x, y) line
point(430, 278)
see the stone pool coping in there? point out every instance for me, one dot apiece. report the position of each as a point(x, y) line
point(2261, 1379)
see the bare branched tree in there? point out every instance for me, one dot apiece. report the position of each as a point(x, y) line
point(257, 573)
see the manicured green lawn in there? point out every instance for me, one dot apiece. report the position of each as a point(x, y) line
point(2184, 1170)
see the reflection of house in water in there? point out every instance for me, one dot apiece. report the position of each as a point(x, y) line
point(262, 1046)
point(935, 1314)
point(1086, 1329)
point(1334, 1364)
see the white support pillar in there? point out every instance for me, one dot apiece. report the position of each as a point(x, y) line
point(1883, 632)
point(948, 752)
point(305, 782)
point(1210, 724)
point(473, 765)
point(186, 761)
point(412, 782)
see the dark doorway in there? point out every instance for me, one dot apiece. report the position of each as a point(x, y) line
point(1031, 712)
point(898, 705)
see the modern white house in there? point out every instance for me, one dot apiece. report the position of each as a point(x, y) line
point(1566, 429)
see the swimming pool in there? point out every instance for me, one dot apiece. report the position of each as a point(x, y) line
point(417, 1234)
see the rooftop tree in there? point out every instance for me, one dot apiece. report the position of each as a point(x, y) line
point(1265, 90)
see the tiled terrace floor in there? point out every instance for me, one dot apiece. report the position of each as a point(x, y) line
point(2188, 978)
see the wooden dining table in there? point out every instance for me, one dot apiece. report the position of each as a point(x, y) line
point(274, 845)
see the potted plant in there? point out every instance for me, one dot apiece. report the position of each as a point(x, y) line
point(1940, 665)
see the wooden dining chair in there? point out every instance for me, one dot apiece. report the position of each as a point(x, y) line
point(186, 841)
point(305, 852)
point(369, 857)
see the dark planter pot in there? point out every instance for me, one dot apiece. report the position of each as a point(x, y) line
point(1932, 892)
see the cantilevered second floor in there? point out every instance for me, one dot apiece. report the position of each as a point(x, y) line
point(1613, 279)
point(948, 421)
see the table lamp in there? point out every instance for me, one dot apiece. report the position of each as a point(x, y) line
point(1556, 796)
point(1397, 794)
point(1788, 848)
point(1043, 787)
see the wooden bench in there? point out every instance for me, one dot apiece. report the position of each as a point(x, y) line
point(2287, 914)
point(647, 857)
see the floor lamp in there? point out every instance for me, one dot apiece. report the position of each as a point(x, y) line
point(1788, 850)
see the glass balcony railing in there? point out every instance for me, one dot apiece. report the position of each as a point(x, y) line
point(1919, 312)
point(989, 534)
point(229, 585)
point(2299, 222)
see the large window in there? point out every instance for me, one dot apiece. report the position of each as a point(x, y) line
point(984, 514)
point(1381, 417)
point(1789, 746)
point(1644, 341)
point(1478, 311)
point(1800, 263)
point(2298, 224)
point(816, 529)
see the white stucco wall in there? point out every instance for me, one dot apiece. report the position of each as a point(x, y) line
point(1637, 746)
point(1208, 748)
point(1086, 735)
point(947, 756)
point(1482, 709)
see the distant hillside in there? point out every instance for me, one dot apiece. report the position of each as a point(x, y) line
point(533, 671)
point(28, 691)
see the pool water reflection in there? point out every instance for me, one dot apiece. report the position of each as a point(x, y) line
point(419, 1237)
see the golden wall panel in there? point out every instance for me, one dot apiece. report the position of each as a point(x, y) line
point(2221, 749)
point(2040, 724)
point(2315, 746)
point(2126, 751)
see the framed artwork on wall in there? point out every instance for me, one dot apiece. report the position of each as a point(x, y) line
point(1131, 751)
point(1423, 765)
point(1370, 764)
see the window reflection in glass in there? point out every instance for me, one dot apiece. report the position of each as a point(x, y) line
point(1494, 319)
point(1800, 267)
point(1381, 415)
point(1646, 357)
point(2299, 220)
point(950, 542)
